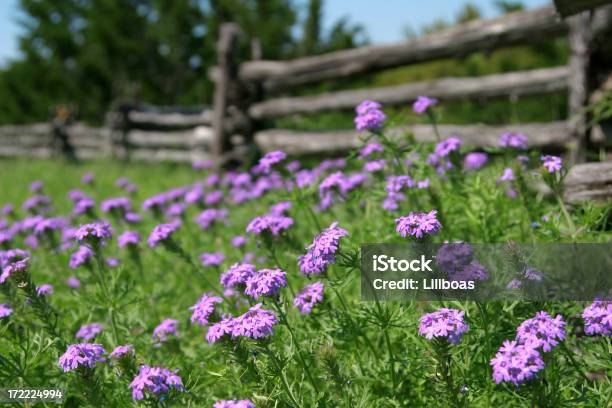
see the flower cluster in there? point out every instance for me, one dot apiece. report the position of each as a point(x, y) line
point(541, 332)
point(95, 233)
point(268, 161)
point(166, 328)
point(156, 381)
point(309, 297)
point(255, 323)
point(89, 331)
point(266, 282)
point(122, 351)
point(369, 116)
point(81, 257)
point(516, 363)
point(233, 404)
point(423, 103)
point(207, 217)
point(272, 224)
point(5, 310)
point(322, 252)
point(162, 232)
point(204, 309)
point(443, 323)
point(237, 274)
point(212, 258)
point(513, 140)
point(81, 355)
point(598, 318)
point(418, 224)
point(552, 164)
point(128, 238)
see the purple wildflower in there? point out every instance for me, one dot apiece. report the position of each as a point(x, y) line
point(233, 404)
point(507, 175)
point(239, 241)
point(374, 166)
point(516, 363)
point(119, 205)
point(220, 329)
point(369, 116)
point(418, 224)
point(84, 206)
point(472, 272)
point(322, 252)
point(128, 238)
point(44, 290)
point(266, 282)
point(423, 103)
point(204, 309)
point(268, 161)
point(87, 178)
point(541, 331)
point(598, 318)
point(552, 164)
point(533, 275)
point(213, 197)
point(95, 233)
point(237, 274)
point(7, 209)
point(280, 208)
point(207, 217)
point(513, 140)
point(73, 282)
point(113, 262)
point(447, 146)
point(165, 328)
point(36, 186)
point(309, 297)
point(370, 149)
point(118, 352)
point(5, 310)
point(212, 258)
point(202, 164)
point(156, 381)
point(81, 355)
point(162, 232)
point(89, 331)
point(255, 323)
point(81, 256)
point(444, 322)
point(269, 223)
point(514, 284)
point(475, 160)
point(453, 257)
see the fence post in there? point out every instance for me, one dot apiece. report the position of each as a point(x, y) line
point(226, 74)
point(579, 40)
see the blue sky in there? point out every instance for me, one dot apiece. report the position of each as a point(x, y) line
point(384, 20)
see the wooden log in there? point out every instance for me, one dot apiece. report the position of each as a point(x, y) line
point(19, 151)
point(554, 134)
point(589, 181)
point(514, 83)
point(570, 7)
point(579, 39)
point(157, 120)
point(38, 129)
point(480, 35)
point(227, 72)
point(160, 155)
point(186, 139)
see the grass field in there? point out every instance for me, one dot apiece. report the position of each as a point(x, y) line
point(346, 352)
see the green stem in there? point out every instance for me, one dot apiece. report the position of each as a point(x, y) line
point(283, 378)
point(566, 214)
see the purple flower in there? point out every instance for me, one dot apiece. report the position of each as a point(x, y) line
point(447, 146)
point(541, 331)
point(122, 351)
point(370, 149)
point(266, 282)
point(202, 164)
point(374, 166)
point(37, 203)
point(472, 272)
point(513, 140)
point(453, 257)
point(322, 252)
point(269, 223)
point(268, 161)
point(423, 184)
point(309, 297)
point(233, 404)
point(162, 232)
point(129, 238)
point(255, 323)
point(5, 310)
point(16, 268)
point(206, 218)
point(156, 381)
point(552, 164)
point(213, 197)
point(204, 309)
point(95, 233)
point(475, 160)
point(212, 258)
point(507, 175)
point(36, 186)
point(175, 210)
point(220, 329)
point(239, 241)
point(89, 331)
point(533, 275)
point(7, 209)
point(48, 225)
point(418, 224)
point(119, 205)
point(423, 103)
point(73, 282)
point(165, 328)
point(598, 318)
point(87, 178)
point(84, 206)
point(81, 256)
point(113, 262)
point(133, 217)
point(514, 284)
point(280, 208)
point(237, 274)
point(44, 290)
point(81, 355)
point(369, 116)
point(444, 322)
point(516, 363)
